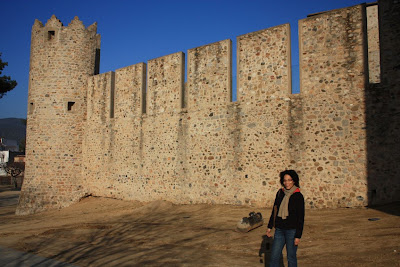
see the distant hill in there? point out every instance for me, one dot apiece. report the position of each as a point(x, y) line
point(12, 128)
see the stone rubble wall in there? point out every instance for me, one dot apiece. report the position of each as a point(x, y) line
point(62, 59)
point(215, 151)
point(332, 71)
point(146, 135)
point(209, 78)
point(263, 62)
point(97, 145)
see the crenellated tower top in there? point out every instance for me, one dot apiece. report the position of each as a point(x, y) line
point(54, 29)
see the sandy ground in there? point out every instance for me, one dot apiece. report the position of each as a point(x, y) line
point(109, 232)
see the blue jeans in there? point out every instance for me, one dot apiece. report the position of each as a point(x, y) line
point(283, 237)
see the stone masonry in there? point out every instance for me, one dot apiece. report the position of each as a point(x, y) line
point(62, 59)
point(142, 133)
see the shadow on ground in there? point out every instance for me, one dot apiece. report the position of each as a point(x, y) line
point(157, 234)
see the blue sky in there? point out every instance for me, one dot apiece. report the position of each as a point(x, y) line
point(137, 31)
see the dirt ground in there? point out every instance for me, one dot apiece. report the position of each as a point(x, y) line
point(109, 232)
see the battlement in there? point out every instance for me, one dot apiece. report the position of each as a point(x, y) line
point(165, 78)
point(209, 78)
point(263, 65)
point(142, 133)
point(55, 31)
point(54, 22)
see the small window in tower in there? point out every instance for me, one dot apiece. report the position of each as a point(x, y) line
point(31, 107)
point(51, 35)
point(70, 106)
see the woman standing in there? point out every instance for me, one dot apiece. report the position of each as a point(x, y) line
point(288, 219)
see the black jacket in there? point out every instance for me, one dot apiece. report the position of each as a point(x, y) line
point(295, 220)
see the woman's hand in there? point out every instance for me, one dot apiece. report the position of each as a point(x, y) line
point(269, 232)
point(296, 241)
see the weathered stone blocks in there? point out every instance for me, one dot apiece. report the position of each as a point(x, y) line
point(263, 61)
point(209, 76)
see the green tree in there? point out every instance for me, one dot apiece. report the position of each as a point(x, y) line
point(6, 84)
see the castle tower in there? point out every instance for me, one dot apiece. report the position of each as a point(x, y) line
point(62, 59)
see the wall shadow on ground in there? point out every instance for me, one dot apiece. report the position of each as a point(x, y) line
point(149, 238)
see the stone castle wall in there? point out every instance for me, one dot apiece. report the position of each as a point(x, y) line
point(207, 149)
point(147, 135)
point(333, 140)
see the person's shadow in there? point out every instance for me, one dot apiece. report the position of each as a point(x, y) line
point(265, 251)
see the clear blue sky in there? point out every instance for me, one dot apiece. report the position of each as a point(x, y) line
point(137, 31)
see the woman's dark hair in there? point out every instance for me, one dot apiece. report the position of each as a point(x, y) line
point(292, 174)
